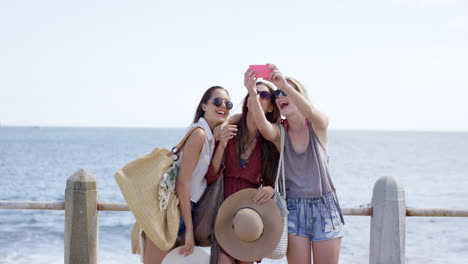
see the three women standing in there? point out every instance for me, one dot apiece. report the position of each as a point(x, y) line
point(250, 155)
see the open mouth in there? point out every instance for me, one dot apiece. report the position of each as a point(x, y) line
point(221, 113)
point(283, 104)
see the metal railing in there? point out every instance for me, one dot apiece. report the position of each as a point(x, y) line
point(387, 235)
point(355, 211)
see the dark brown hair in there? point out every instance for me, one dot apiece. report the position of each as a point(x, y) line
point(206, 96)
point(270, 154)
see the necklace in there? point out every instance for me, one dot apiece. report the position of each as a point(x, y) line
point(243, 159)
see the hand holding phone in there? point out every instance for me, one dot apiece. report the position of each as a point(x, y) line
point(262, 71)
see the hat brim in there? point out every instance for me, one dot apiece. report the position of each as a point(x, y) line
point(272, 227)
point(199, 256)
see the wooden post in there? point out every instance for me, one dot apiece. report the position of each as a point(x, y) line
point(81, 219)
point(387, 238)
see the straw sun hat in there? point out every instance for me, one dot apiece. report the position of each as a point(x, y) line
point(199, 256)
point(246, 230)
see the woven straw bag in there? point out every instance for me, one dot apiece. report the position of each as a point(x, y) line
point(139, 182)
point(280, 200)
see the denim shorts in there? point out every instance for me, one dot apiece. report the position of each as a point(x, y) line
point(182, 228)
point(315, 218)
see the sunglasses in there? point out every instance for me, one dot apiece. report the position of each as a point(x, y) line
point(279, 92)
point(219, 102)
point(265, 95)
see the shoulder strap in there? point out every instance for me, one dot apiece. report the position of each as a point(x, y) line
point(280, 184)
point(176, 150)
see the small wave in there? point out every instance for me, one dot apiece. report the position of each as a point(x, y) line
point(11, 257)
point(15, 257)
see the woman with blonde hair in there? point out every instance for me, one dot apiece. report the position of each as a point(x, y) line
point(315, 221)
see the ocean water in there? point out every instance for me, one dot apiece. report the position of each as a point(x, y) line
point(35, 163)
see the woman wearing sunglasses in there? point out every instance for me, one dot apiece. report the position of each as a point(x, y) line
point(315, 220)
point(212, 110)
point(250, 161)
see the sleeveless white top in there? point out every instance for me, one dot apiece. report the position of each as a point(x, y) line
point(198, 180)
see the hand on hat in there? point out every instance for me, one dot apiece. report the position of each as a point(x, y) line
point(263, 194)
point(240, 221)
point(187, 249)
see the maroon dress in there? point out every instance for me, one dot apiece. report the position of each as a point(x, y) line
point(235, 177)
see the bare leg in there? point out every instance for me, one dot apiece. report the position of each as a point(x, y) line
point(153, 255)
point(225, 259)
point(298, 250)
point(327, 251)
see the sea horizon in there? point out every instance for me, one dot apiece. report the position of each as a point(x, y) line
point(182, 127)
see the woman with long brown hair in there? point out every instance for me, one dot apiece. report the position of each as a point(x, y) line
point(212, 110)
point(250, 161)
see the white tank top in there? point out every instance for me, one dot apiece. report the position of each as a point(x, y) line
point(198, 180)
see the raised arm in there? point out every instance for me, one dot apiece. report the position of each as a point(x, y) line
point(319, 119)
point(226, 132)
point(268, 130)
point(218, 130)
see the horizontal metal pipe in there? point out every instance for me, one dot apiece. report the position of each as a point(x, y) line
point(35, 205)
point(436, 212)
point(359, 211)
point(363, 211)
point(112, 207)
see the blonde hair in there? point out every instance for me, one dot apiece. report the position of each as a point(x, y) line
point(298, 86)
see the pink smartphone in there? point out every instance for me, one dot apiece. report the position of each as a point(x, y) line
point(261, 70)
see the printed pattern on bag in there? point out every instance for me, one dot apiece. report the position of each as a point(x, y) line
point(167, 186)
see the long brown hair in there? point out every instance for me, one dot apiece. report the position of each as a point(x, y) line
point(270, 154)
point(206, 96)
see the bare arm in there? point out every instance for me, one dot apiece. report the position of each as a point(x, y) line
point(191, 150)
point(218, 130)
point(319, 119)
point(226, 132)
point(234, 119)
point(268, 130)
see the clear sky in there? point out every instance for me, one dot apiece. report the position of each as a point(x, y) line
point(398, 65)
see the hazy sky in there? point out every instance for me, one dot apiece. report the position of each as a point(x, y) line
point(400, 65)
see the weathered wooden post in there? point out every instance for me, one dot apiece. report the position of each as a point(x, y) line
point(387, 238)
point(81, 219)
